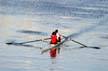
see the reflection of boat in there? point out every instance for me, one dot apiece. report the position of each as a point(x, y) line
point(52, 51)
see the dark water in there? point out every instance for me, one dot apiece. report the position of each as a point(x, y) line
point(26, 20)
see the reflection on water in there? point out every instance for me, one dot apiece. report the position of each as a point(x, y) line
point(53, 65)
point(28, 56)
point(33, 32)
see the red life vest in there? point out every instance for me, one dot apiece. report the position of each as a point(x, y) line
point(53, 39)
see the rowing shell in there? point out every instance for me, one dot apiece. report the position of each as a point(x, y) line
point(56, 46)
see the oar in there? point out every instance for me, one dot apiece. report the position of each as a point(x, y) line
point(82, 44)
point(9, 43)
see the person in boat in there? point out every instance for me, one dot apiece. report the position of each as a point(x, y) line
point(58, 35)
point(58, 38)
point(53, 42)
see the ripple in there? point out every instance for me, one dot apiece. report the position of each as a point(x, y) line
point(33, 32)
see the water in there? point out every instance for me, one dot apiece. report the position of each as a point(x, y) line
point(26, 20)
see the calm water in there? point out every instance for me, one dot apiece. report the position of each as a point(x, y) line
point(25, 20)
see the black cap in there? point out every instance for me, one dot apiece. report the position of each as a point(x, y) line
point(56, 30)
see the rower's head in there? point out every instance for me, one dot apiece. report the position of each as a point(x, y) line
point(56, 31)
point(53, 33)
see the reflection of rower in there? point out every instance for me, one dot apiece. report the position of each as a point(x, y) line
point(58, 38)
point(53, 42)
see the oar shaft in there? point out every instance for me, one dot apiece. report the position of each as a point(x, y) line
point(84, 44)
point(78, 43)
point(27, 41)
point(34, 40)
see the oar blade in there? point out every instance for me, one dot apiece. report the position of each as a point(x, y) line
point(9, 43)
point(96, 47)
point(12, 43)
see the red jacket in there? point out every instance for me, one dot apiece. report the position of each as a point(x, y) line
point(53, 39)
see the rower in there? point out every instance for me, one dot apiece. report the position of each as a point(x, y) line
point(53, 42)
point(58, 38)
